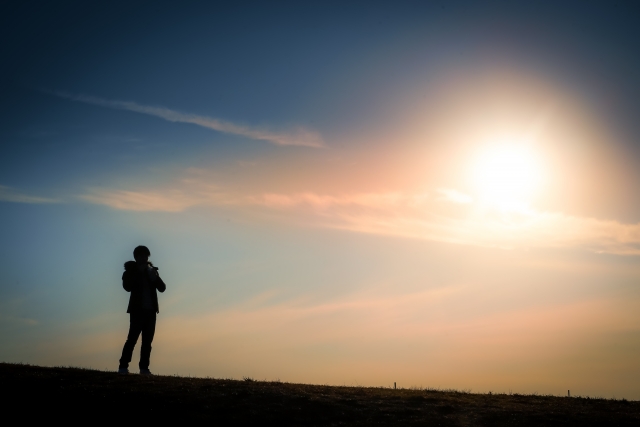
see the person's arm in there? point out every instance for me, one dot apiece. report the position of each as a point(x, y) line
point(160, 284)
point(154, 276)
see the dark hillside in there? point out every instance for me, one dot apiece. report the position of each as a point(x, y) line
point(88, 396)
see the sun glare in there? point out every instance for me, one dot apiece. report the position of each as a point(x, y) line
point(507, 176)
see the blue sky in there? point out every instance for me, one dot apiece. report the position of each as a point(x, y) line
point(438, 194)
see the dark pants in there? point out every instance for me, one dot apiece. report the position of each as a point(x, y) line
point(145, 322)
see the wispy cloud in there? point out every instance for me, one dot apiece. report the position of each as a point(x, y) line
point(295, 137)
point(140, 201)
point(24, 321)
point(178, 200)
point(454, 196)
point(8, 194)
point(503, 230)
point(446, 216)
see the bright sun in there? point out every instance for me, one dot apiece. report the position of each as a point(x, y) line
point(507, 176)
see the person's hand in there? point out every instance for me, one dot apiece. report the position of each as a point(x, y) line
point(152, 273)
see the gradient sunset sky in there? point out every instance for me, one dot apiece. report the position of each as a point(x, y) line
point(438, 194)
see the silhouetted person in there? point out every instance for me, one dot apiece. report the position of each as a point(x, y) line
point(140, 278)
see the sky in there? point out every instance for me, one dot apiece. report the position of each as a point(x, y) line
point(437, 194)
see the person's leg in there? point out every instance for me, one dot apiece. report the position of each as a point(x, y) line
point(135, 327)
point(148, 330)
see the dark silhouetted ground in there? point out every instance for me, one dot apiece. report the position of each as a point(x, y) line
point(74, 395)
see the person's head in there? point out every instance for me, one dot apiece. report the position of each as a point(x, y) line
point(141, 254)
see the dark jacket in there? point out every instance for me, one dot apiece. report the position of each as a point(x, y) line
point(132, 281)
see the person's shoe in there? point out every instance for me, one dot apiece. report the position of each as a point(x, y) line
point(145, 372)
point(123, 371)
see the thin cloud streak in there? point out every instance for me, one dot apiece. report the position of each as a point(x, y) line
point(300, 136)
point(415, 216)
point(175, 200)
point(8, 194)
point(139, 201)
point(454, 196)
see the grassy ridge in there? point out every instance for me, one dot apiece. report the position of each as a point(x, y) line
point(82, 395)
